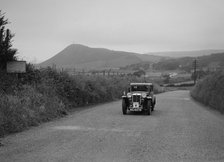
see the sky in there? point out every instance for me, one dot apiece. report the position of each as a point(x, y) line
point(43, 28)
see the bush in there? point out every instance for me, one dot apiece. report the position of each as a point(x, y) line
point(210, 91)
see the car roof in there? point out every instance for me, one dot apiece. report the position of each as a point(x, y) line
point(140, 83)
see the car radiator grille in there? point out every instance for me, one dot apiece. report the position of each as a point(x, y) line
point(136, 98)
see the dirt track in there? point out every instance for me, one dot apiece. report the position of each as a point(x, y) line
point(178, 130)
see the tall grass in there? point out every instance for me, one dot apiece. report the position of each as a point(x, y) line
point(210, 91)
point(26, 108)
point(42, 95)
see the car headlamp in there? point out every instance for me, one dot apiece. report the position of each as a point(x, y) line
point(144, 95)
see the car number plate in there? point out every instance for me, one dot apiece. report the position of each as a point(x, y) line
point(135, 105)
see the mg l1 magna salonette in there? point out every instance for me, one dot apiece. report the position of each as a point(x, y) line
point(140, 97)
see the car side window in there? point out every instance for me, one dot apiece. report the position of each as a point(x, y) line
point(149, 89)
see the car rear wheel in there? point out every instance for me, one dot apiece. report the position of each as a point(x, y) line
point(153, 106)
point(124, 107)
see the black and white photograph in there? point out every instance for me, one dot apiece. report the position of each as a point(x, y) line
point(111, 80)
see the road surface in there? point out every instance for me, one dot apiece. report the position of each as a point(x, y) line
point(178, 130)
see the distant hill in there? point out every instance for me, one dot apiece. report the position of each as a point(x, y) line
point(195, 53)
point(83, 57)
point(145, 65)
point(152, 58)
point(209, 62)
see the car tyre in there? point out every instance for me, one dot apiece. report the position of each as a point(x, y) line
point(124, 107)
point(148, 111)
point(153, 106)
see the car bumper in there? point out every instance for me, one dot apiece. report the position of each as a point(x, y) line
point(135, 109)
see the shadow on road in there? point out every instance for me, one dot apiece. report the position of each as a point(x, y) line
point(154, 113)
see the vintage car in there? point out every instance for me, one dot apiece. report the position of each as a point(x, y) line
point(140, 97)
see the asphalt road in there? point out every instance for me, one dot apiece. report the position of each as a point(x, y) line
point(178, 130)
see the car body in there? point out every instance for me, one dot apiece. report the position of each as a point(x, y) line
point(140, 97)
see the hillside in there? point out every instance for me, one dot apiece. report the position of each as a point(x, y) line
point(179, 54)
point(208, 62)
point(151, 58)
point(83, 57)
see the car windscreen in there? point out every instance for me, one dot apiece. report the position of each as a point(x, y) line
point(139, 88)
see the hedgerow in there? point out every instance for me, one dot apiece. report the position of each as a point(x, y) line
point(210, 91)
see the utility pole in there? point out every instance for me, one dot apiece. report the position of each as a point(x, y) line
point(195, 70)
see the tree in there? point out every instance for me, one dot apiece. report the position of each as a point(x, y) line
point(166, 78)
point(7, 53)
point(139, 73)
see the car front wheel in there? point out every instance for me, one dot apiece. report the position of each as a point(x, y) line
point(124, 107)
point(149, 109)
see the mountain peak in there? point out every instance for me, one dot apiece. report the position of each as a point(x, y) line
point(76, 46)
